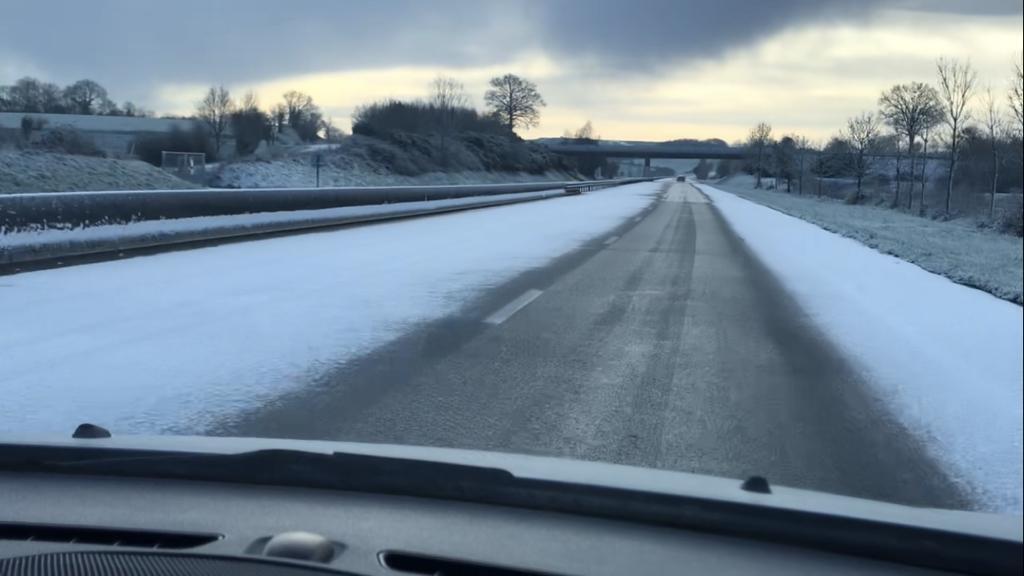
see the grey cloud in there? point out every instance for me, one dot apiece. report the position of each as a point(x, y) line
point(227, 41)
point(131, 46)
point(662, 32)
point(982, 7)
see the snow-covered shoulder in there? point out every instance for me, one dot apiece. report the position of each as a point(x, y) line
point(948, 359)
point(180, 340)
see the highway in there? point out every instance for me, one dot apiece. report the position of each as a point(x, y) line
point(664, 343)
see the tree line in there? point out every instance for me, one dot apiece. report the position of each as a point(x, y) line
point(978, 131)
point(513, 103)
point(220, 114)
point(31, 95)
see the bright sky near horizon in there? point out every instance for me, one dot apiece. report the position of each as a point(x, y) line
point(641, 70)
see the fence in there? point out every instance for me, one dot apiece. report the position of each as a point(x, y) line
point(184, 164)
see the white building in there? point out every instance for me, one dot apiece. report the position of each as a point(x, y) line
point(115, 135)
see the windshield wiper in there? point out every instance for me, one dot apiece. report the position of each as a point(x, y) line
point(279, 467)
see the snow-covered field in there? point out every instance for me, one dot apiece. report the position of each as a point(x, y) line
point(175, 341)
point(32, 171)
point(956, 249)
point(948, 359)
point(300, 171)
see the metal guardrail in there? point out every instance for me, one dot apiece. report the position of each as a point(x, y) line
point(86, 209)
point(580, 187)
point(76, 209)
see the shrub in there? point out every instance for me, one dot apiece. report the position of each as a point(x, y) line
point(391, 156)
point(67, 140)
point(702, 169)
point(250, 127)
point(383, 118)
point(726, 168)
point(150, 148)
point(421, 137)
point(31, 124)
point(1011, 220)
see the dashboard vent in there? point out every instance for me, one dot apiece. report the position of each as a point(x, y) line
point(103, 536)
point(431, 566)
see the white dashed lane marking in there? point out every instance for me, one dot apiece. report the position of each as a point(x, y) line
point(512, 307)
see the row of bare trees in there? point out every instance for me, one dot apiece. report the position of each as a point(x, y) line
point(513, 101)
point(31, 95)
point(909, 118)
point(249, 124)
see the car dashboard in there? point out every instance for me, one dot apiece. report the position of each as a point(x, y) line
point(97, 525)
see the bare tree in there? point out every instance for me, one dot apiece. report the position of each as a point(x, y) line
point(932, 121)
point(897, 141)
point(26, 95)
point(784, 160)
point(447, 93)
point(1016, 95)
point(85, 96)
point(447, 96)
point(862, 132)
point(279, 114)
point(585, 132)
point(52, 98)
point(29, 94)
point(818, 150)
point(515, 101)
point(215, 111)
point(909, 109)
point(303, 114)
point(956, 88)
point(296, 105)
point(995, 127)
point(757, 143)
point(249, 102)
point(802, 145)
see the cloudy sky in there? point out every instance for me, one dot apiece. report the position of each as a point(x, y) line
point(638, 69)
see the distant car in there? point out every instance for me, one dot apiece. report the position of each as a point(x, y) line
point(680, 178)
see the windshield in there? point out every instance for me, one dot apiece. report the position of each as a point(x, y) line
point(728, 238)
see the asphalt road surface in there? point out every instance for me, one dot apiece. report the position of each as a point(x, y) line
point(664, 343)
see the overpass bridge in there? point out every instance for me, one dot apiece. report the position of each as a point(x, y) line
point(695, 151)
point(646, 151)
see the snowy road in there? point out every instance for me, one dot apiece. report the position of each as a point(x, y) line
point(621, 325)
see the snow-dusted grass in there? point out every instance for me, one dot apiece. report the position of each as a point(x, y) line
point(300, 171)
point(175, 341)
point(31, 171)
point(957, 249)
point(56, 237)
point(946, 358)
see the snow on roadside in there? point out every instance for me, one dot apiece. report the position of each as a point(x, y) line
point(34, 171)
point(175, 341)
point(948, 359)
point(300, 171)
point(957, 249)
